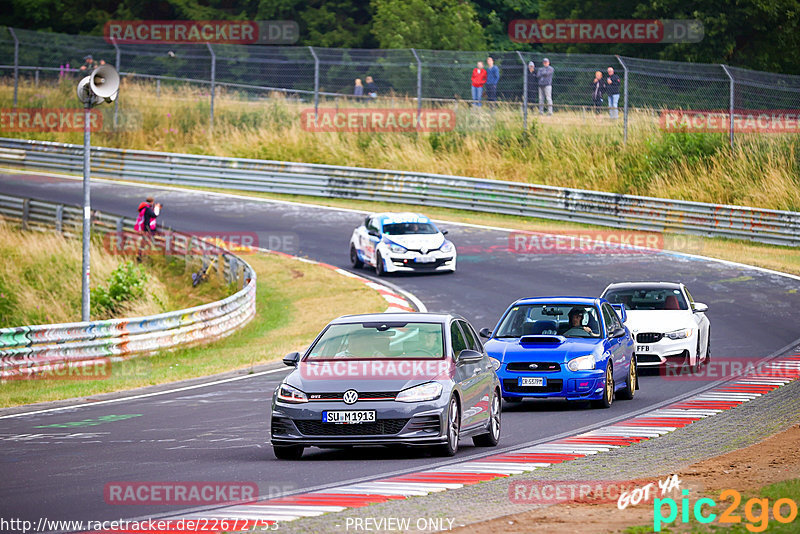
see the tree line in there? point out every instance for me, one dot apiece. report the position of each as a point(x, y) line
point(757, 34)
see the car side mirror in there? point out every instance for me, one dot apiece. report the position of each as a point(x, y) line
point(291, 359)
point(444, 232)
point(485, 333)
point(469, 356)
point(619, 332)
point(373, 233)
point(699, 307)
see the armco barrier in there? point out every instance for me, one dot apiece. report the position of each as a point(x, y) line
point(32, 350)
point(423, 189)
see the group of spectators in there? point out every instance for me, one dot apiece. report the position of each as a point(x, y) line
point(485, 80)
point(371, 88)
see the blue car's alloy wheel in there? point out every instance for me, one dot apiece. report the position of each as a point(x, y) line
point(608, 391)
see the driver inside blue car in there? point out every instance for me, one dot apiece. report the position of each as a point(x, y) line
point(576, 315)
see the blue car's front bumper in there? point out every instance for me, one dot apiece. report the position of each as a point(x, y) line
point(578, 385)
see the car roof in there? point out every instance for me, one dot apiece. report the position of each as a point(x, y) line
point(581, 301)
point(631, 285)
point(421, 317)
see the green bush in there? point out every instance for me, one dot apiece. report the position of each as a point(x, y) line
point(126, 283)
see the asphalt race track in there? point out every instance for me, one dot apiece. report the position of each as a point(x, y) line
point(220, 432)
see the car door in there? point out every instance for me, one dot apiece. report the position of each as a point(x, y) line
point(484, 372)
point(467, 376)
point(616, 345)
point(369, 239)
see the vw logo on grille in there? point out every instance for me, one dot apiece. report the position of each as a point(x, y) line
point(533, 366)
point(350, 396)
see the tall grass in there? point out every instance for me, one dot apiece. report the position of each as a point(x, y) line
point(571, 149)
point(40, 280)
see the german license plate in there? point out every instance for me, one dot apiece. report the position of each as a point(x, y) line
point(531, 381)
point(642, 348)
point(426, 258)
point(348, 417)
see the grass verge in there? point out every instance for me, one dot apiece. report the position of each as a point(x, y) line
point(40, 280)
point(294, 301)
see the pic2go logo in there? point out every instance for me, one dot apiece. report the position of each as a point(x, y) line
point(756, 511)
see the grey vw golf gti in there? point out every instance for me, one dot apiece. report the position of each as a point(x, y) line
point(385, 379)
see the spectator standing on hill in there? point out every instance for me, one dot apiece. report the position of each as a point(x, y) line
point(372, 89)
point(545, 78)
point(358, 90)
point(89, 64)
point(533, 82)
point(612, 90)
point(597, 91)
point(478, 81)
point(492, 77)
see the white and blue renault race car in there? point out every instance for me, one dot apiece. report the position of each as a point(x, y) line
point(401, 242)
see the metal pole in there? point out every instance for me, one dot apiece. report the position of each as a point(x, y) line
point(316, 84)
point(213, 81)
point(524, 91)
point(625, 104)
point(419, 85)
point(116, 100)
point(16, 64)
point(730, 104)
point(87, 213)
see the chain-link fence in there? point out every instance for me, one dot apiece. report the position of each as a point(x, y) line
point(308, 73)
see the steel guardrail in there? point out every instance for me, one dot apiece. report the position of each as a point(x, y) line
point(34, 350)
point(423, 189)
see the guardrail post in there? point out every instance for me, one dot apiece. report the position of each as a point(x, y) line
point(158, 87)
point(730, 104)
point(524, 92)
point(116, 100)
point(419, 85)
point(316, 84)
point(26, 212)
point(625, 103)
point(120, 224)
point(36, 77)
point(60, 218)
point(213, 82)
point(16, 64)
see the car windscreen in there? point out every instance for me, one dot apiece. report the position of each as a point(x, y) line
point(569, 320)
point(364, 341)
point(648, 298)
point(409, 228)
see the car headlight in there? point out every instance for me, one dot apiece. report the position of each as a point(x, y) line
point(495, 363)
point(291, 394)
point(397, 249)
point(584, 363)
point(424, 392)
point(683, 333)
point(447, 247)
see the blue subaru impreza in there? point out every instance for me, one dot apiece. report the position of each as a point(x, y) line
point(576, 348)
